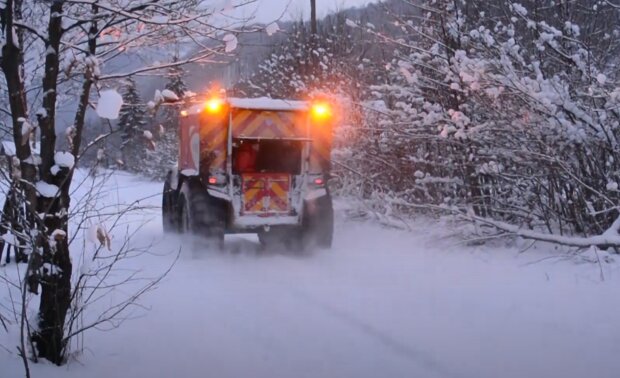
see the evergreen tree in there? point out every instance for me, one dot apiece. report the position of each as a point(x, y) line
point(175, 80)
point(132, 124)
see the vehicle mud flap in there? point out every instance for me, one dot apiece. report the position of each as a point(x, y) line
point(318, 223)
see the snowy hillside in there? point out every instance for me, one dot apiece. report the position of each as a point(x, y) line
point(381, 303)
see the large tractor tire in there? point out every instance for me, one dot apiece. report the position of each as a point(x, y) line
point(318, 222)
point(200, 214)
point(169, 213)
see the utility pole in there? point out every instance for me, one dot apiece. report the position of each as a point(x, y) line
point(313, 36)
point(313, 17)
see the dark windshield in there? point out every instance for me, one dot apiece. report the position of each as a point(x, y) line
point(267, 156)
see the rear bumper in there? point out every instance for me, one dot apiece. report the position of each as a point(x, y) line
point(252, 222)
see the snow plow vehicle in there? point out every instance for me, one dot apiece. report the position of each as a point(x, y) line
point(253, 166)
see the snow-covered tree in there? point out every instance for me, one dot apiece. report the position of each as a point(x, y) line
point(505, 110)
point(56, 52)
point(331, 63)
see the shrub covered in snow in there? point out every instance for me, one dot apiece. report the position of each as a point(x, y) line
point(507, 111)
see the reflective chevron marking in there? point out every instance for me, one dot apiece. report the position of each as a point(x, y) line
point(213, 135)
point(260, 189)
point(265, 124)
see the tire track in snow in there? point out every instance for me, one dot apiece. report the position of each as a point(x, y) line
point(415, 355)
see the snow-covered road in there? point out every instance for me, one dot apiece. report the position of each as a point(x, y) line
point(381, 303)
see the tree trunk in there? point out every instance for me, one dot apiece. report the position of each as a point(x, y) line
point(55, 273)
point(11, 62)
point(55, 301)
point(56, 293)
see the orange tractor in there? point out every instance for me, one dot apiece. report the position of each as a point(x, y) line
point(253, 166)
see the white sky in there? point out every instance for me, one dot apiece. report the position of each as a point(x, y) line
point(269, 10)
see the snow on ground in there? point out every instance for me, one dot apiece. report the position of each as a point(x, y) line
point(381, 303)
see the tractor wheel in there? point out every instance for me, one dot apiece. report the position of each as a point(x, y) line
point(318, 222)
point(200, 214)
point(169, 215)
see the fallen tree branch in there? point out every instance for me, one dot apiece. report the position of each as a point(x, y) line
point(609, 238)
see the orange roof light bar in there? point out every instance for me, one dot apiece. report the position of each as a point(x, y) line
point(321, 110)
point(214, 105)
